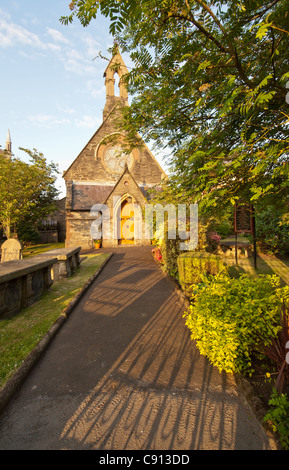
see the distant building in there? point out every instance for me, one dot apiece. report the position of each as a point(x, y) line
point(7, 151)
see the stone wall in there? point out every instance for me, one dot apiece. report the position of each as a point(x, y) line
point(67, 261)
point(78, 223)
point(78, 229)
point(22, 282)
point(48, 236)
point(88, 165)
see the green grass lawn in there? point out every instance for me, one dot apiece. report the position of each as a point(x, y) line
point(20, 333)
point(265, 265)
point(34, 250)
point(240, 239)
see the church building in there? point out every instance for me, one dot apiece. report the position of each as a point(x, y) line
point(104, 175)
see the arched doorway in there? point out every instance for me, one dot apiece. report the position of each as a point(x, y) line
point(126, 223)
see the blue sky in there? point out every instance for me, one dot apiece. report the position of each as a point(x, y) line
point(52, 89)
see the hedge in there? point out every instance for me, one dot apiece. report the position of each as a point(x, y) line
point(192, 266)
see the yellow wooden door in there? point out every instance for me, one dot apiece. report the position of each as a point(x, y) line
point(126, 224)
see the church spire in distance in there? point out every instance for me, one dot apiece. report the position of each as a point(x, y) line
point(8, 142)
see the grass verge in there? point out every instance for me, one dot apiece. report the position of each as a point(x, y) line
point(265, 265)
point(20, 333)
point(33, 250)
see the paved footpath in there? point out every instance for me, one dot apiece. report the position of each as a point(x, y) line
point(123, 374)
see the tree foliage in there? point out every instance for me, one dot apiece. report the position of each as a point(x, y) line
point(209, 82)
point(27, 190)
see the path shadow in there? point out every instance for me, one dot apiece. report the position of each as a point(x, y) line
point(158, 392)
point(124, 374)
point(154, 395)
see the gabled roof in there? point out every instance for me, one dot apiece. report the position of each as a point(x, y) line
point(121, 178)
point(85, 195)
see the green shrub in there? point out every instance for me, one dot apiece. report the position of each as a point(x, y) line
point(224, 227)
point(27, 233)
point(170, 250)
point(278, 417)
point(272, 233)
point(229, 317)
point(193, 265)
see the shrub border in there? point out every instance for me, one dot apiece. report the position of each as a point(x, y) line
point(242, 384)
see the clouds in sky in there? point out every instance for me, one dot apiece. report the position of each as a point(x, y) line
point(46, 120)
point(49, 121)
point(74, 52)
point(15, 35)
point(52, 90)
point(57, 36)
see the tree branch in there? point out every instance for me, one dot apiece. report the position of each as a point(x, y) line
point(231, 47)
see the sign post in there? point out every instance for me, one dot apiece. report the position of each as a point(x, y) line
point(245, 223)
point(254, 237)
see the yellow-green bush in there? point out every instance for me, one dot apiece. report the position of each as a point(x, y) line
point(229, 317)
point(193, 265)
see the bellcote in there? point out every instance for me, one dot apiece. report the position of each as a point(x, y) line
point(115, 66)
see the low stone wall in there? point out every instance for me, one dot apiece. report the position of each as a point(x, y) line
point(22, 282)
point(67, 261)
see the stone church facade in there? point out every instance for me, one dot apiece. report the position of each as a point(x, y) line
point(104, 174)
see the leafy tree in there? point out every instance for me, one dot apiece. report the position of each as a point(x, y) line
point(209, 82)
point(273, 232)
point(27, 191)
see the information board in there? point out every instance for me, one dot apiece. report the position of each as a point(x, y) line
point(243, 218)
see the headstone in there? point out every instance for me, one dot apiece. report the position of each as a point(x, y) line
point(11, 250)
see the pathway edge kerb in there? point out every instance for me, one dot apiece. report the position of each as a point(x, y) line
point(14, 383)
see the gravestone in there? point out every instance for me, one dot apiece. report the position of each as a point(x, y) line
point(11, 250)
